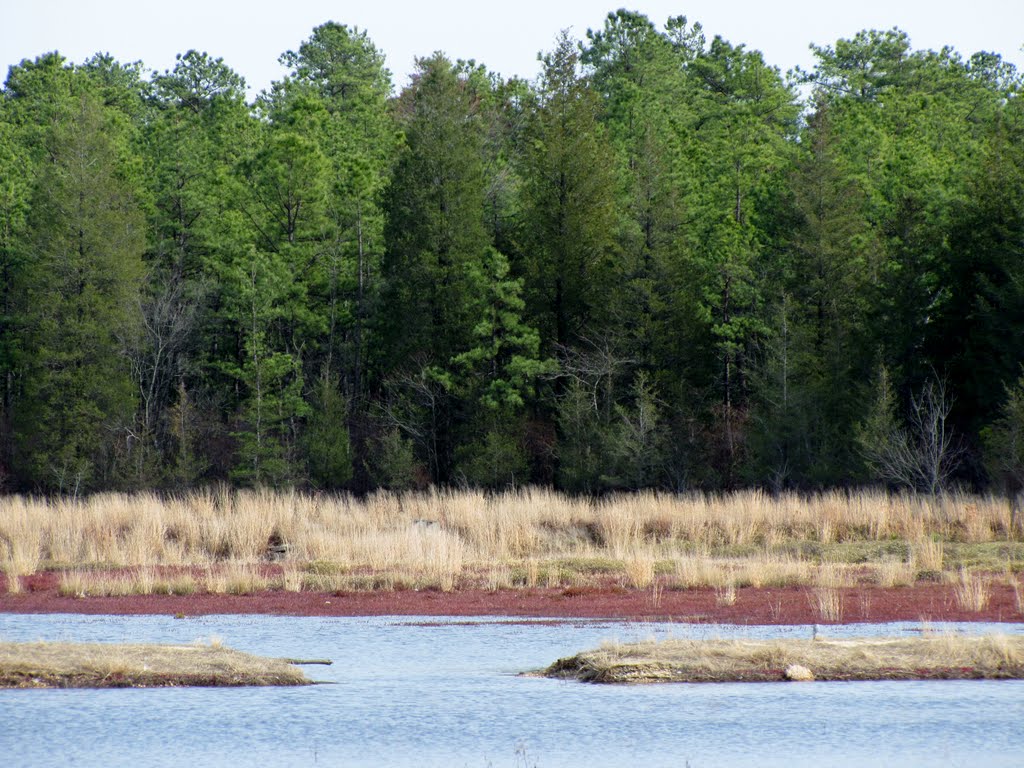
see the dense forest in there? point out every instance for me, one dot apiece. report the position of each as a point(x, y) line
point(661, 264)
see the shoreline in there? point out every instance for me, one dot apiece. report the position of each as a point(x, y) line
point(927, 602)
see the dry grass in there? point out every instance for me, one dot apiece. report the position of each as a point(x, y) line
point(450, 539)
point(929, 553)
point(896, 573)
point(67, 665)
point(640, 566)
point(726, 595)
point(829, 602)
point(136, 581)
point(828, 596)
point(973, 591)
point(937, 657)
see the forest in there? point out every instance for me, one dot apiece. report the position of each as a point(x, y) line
point(662, 264)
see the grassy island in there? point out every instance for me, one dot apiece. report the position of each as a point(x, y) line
point(96, 665)
point(698, 661)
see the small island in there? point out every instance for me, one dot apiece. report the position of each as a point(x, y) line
point(105, 665)
point(939, 657)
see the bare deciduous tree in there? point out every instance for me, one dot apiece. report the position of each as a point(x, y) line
point(924, 453)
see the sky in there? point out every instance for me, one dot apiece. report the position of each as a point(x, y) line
point(250, 35)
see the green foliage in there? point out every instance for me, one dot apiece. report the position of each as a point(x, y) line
point(76, 298)
point(15, 204)
point(499, 371)
point(880, 436)
point(496, 460)
point(393, 462)
point(435, 234)
point(188, 462)
point(814, 355)
point(584, 448)
point(639, 439)
point(327, 443)
point(569, 192)
point(338, 287)
point(1004, 441)
point(262, 294)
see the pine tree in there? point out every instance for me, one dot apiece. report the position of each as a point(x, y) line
point(569, 189)
point(808, 392)
point(15, 195)
point(198, 131)
point(80, 296)
point(436, 242)
point(744, 117)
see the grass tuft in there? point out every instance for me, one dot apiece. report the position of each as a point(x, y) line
point(972, 591)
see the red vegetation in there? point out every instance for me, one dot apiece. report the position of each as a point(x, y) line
point(790, 605)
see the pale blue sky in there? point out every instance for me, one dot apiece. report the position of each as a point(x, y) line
point(506, 36)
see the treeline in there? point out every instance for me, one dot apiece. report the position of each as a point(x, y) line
point(662, 264)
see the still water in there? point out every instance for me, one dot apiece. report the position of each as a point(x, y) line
point(410, 692)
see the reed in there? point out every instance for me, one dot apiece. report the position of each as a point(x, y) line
point(896, 573)
point(973, 591)
point(828, 595)
point(532, 536)
point(726, 595)
point(135, 581)
point(236, 578)
point(640, 567)
point(928, 552)
point(21, 540)
point(829, 602)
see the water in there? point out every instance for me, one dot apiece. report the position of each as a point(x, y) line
point(434, 692)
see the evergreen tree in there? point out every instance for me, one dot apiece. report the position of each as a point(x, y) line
point(199, 130)
point(744, 119)
point(15, 195)
point(495, 379)
point(79, 293)
point(337, 287)
point(569, 190)
point(338, 95)
point(808, 393)
point(643, 93)
point(976, 337)
point(262, 298)
point(436, 241)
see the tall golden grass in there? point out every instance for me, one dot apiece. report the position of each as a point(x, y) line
point(972, 591)
point(443, 539)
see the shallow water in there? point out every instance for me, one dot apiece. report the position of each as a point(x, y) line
point(444, 692)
